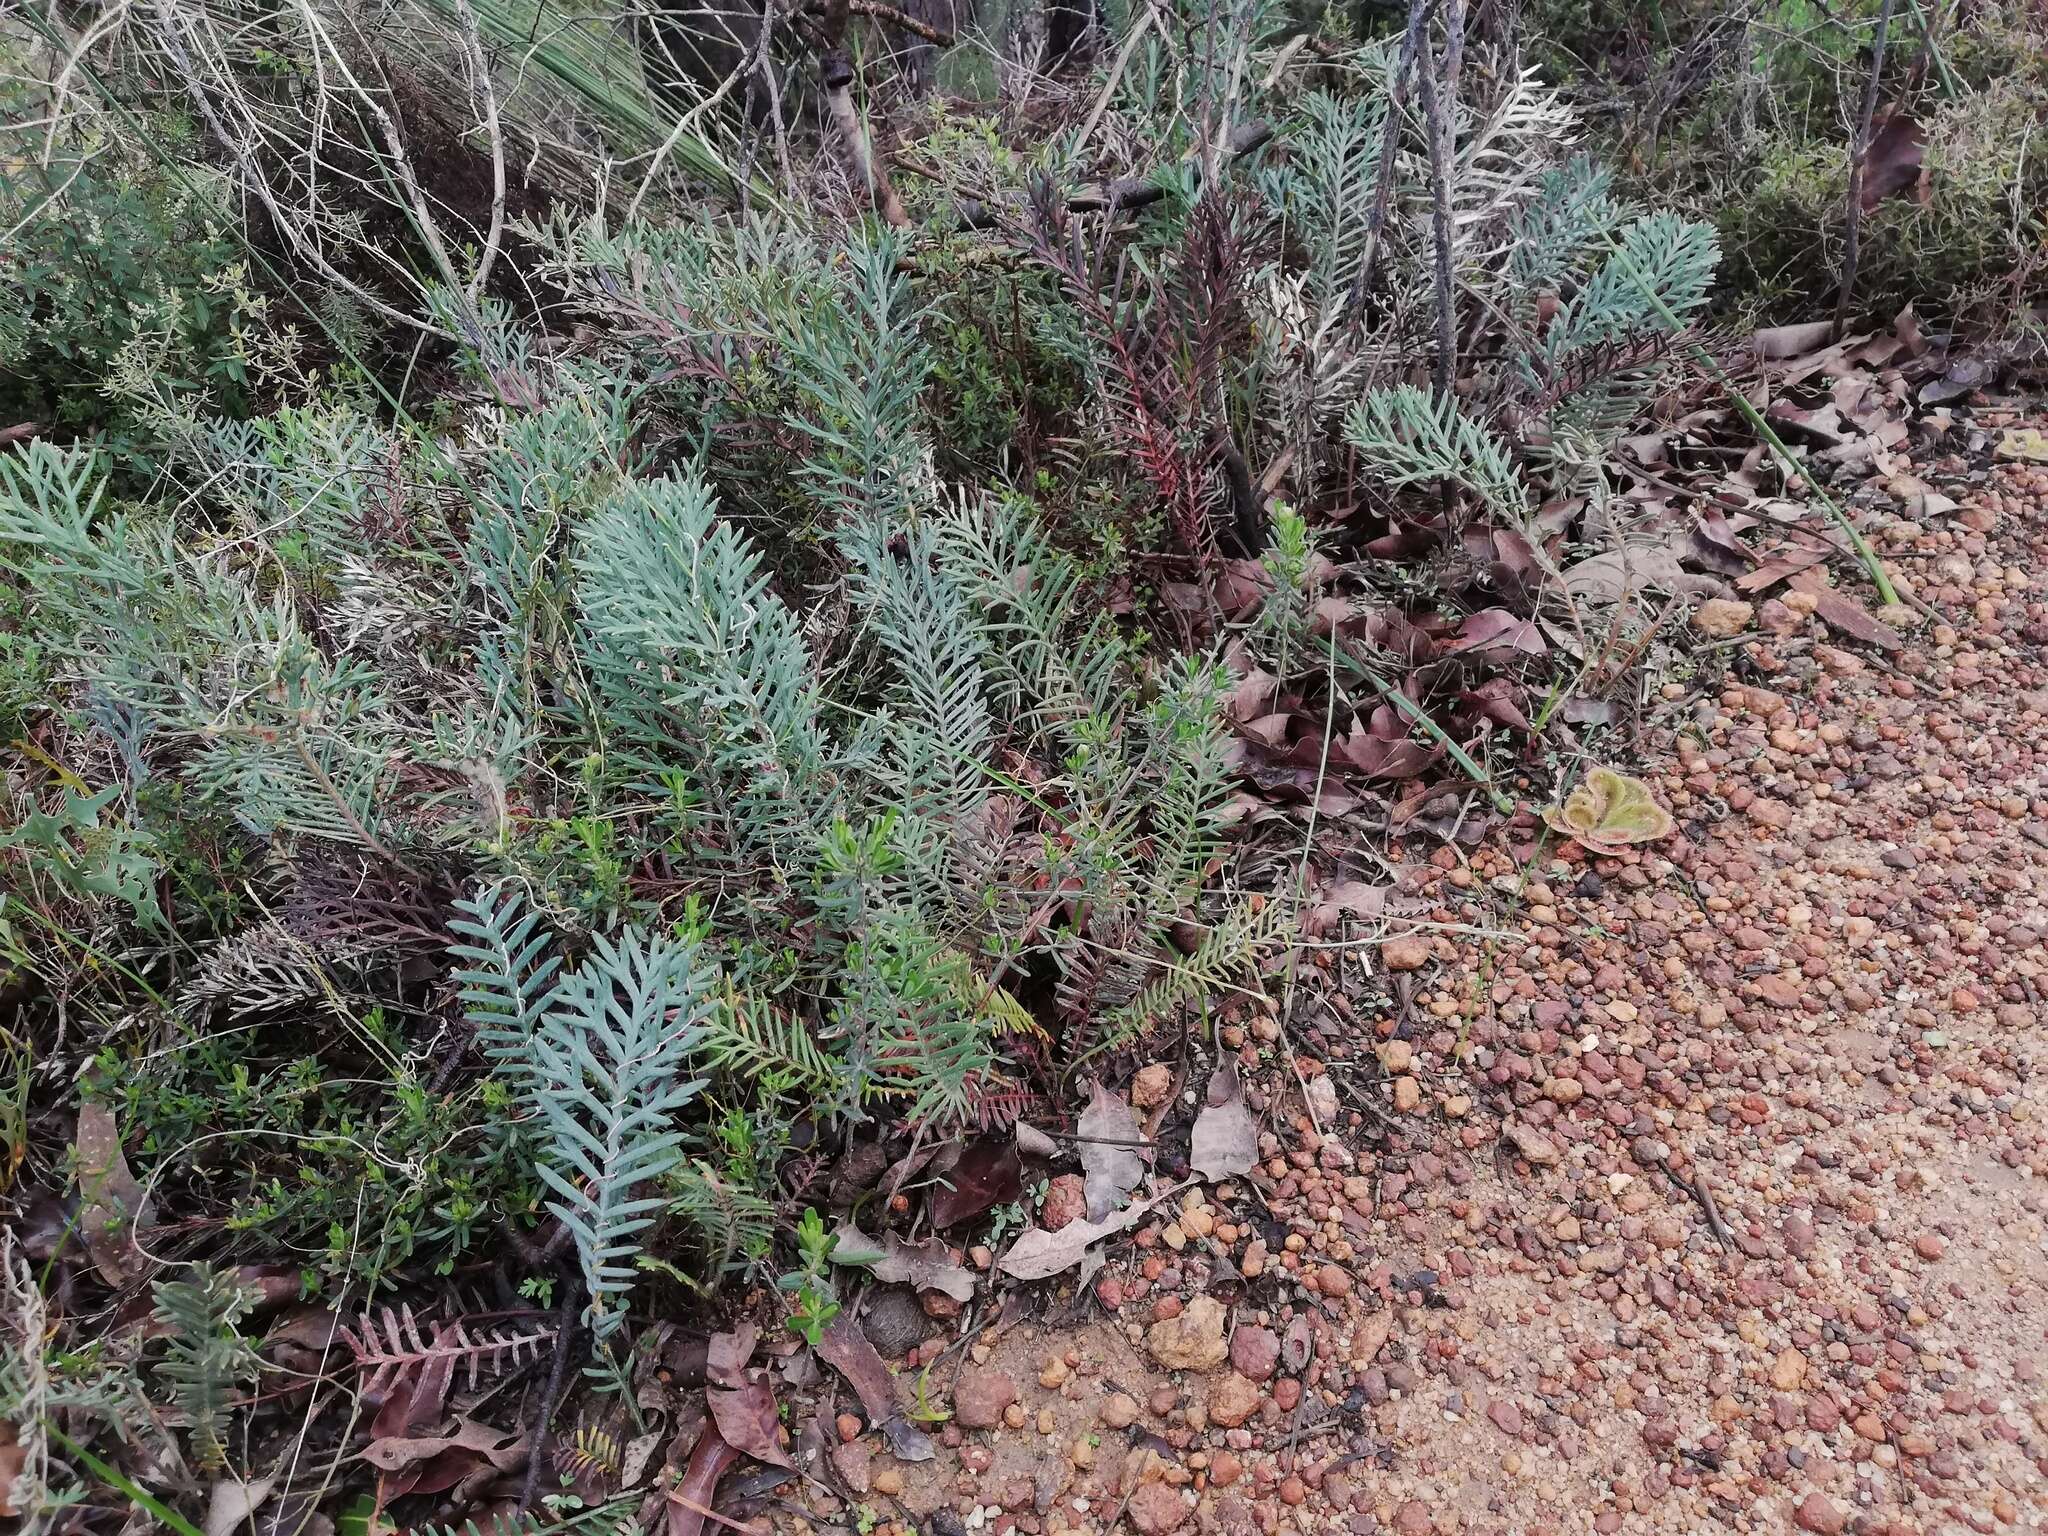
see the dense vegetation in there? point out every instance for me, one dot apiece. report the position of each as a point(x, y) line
point(576, 640)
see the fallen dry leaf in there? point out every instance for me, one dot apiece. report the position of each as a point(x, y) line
point(1850, 618)
point(923, 1266)
point(1226, 1137)
point(1613, 574)
point(1892, 161)
point(748, 1417)
point(983, 1174)
point(1494, 634)
point(1776, 343)
point(432, 1463)
point(232, 1502)
point(1039, 1254)
point(112, 1206)
point(692, 1498)
point(1111, 1171)
point(847, 1350)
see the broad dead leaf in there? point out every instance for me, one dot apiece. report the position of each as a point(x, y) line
point(693, 1497)
point(1608, 811)
point(112, 1206)
point(1494, 634)
point(1776, 343)
point(1226, 1137)
point(985, 1173)
point(1892, 161)
point(232, 1502)
point(1110, 1171)
point(1616, 573)
point(847, 1350)
point(1039, 1254)
point(748, 1417)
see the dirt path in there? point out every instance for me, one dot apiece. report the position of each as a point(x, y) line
point(1738, 1217)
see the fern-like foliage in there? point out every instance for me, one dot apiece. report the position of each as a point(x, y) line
point(763, 1044)
point(1329, 187)
point(942, 731)
point(607, 1081)
point(1221, 961)
point(503, 972)
point(1574, 209)
point(393, 1342)
point(1055, 657)
point(616, 1518)
point(735, 1225)
point(206, 1360)
point(697, 663)
point(1191, 784)
point(1412, 437)
point(861, 364)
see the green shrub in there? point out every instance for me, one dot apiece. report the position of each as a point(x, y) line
point(122, 293)
point(1748, 122)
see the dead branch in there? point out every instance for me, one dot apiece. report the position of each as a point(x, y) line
point(1852, 228)
point(1440, 111)
point(1390, 140)
point(835, 73)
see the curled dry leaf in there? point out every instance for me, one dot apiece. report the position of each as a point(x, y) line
point(432, 1463)
point(925, 1266)
point(692, 1498)
point(1226, 1138)
point(1892, 161)
point(982, 1174)
point(1039, 1254)
point(1610, 810)
point(1111, 1171)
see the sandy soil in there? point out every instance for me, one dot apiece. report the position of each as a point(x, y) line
point(1697, 1188)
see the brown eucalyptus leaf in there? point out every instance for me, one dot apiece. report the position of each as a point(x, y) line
point(726, 1356)
point(986, 1172)
point(694, 1495)
point(748, 1418)
point(1495, 634)
point(1110, 1172)
point(112, 1207)
point(847, 1350)
point(1225, 1142)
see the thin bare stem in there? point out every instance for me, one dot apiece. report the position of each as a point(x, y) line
point(487, 94)
point(1390, 141)
point(1440, 112)
point(1852, 227)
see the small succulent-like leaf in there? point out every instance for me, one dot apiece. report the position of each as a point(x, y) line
point(1610, 810)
